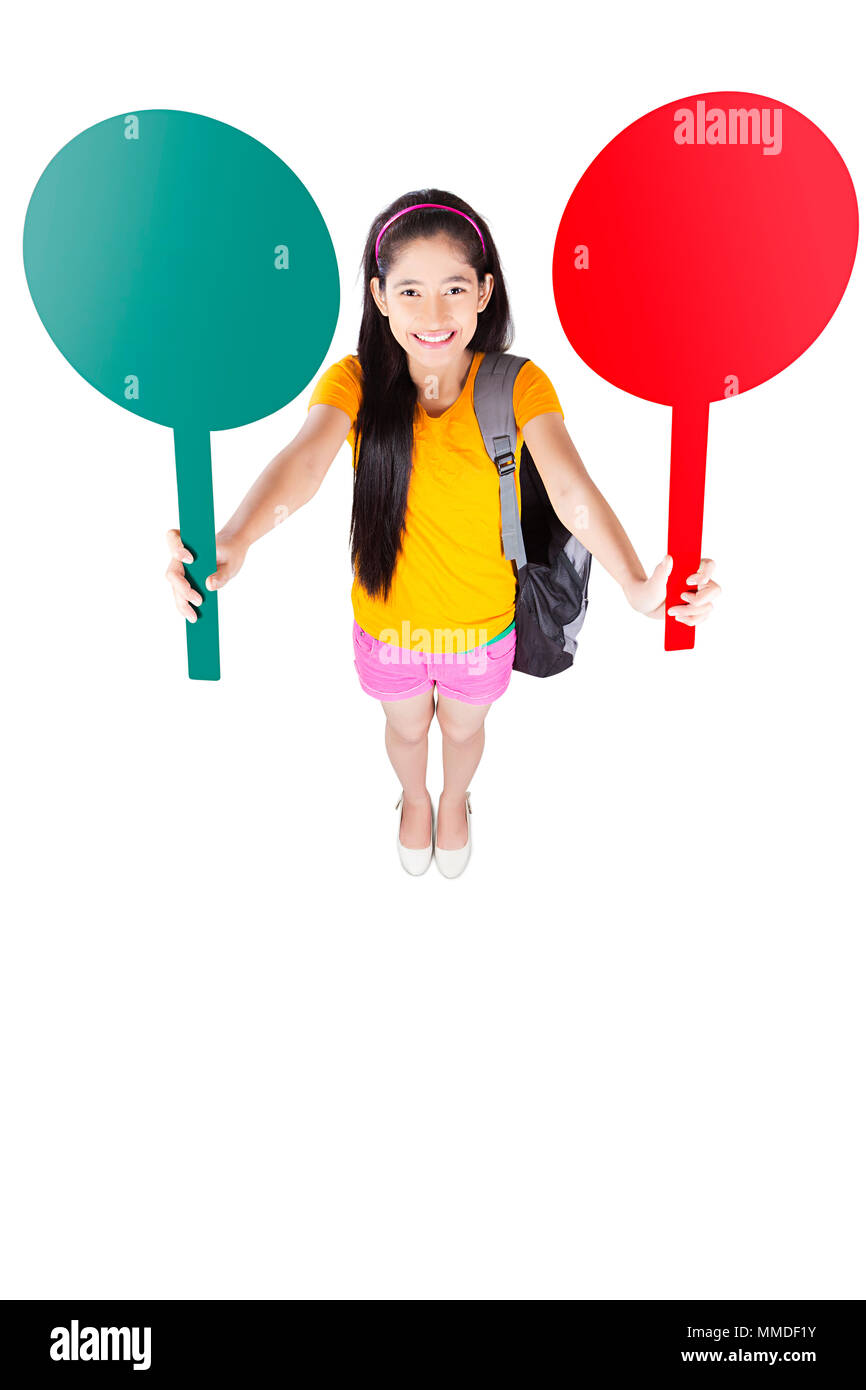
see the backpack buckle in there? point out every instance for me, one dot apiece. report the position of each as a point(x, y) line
point(505, 468)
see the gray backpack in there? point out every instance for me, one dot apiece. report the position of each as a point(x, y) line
point(551, 565)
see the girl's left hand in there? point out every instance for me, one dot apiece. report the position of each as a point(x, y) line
point(650, 595)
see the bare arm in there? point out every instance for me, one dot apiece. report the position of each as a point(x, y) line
point(585, 512)
point(577, 501)
point(292, 478)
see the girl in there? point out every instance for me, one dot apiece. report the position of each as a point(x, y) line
point(433, 595)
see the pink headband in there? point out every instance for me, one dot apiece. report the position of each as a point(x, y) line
point(427, 205)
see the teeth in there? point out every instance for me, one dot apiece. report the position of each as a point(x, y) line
point(433, 338)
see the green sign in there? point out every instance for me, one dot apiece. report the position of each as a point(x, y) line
point(186, 272)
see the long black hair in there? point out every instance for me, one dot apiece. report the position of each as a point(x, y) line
point(385, 423)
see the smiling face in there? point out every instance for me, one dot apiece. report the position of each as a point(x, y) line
point(432, 301)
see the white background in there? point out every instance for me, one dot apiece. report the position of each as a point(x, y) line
point(244, 1054)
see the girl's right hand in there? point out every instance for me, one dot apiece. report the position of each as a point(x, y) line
point(230, 556)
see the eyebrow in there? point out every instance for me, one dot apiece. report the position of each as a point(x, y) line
point(450, 279)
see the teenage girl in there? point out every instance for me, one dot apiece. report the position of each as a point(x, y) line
point(433, 594)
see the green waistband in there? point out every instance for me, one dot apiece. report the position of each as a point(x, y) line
point(500, 635)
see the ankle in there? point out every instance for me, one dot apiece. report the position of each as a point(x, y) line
point(452, 798)
point(420, 800)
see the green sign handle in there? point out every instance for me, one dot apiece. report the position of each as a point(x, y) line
point(197, 531)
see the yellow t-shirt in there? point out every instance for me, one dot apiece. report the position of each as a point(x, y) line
point(453, 588)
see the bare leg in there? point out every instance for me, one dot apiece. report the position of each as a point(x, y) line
point(406, 726)
point(462, 745)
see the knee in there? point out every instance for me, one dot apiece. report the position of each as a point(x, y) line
point(457, 730)
point(413, 729)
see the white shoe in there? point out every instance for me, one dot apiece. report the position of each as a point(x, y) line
point(452, 862)
point(415, 861)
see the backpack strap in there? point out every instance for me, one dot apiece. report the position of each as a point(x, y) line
point(493, 399)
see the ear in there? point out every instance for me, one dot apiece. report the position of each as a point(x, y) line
point(486, 290)
point(376, 291)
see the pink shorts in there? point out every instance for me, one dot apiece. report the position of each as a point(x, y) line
point(476, 677)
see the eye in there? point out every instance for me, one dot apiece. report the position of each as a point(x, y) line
point(459, 289)
point(408, 292)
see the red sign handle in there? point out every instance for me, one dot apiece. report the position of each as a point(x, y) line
point(689, 425)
